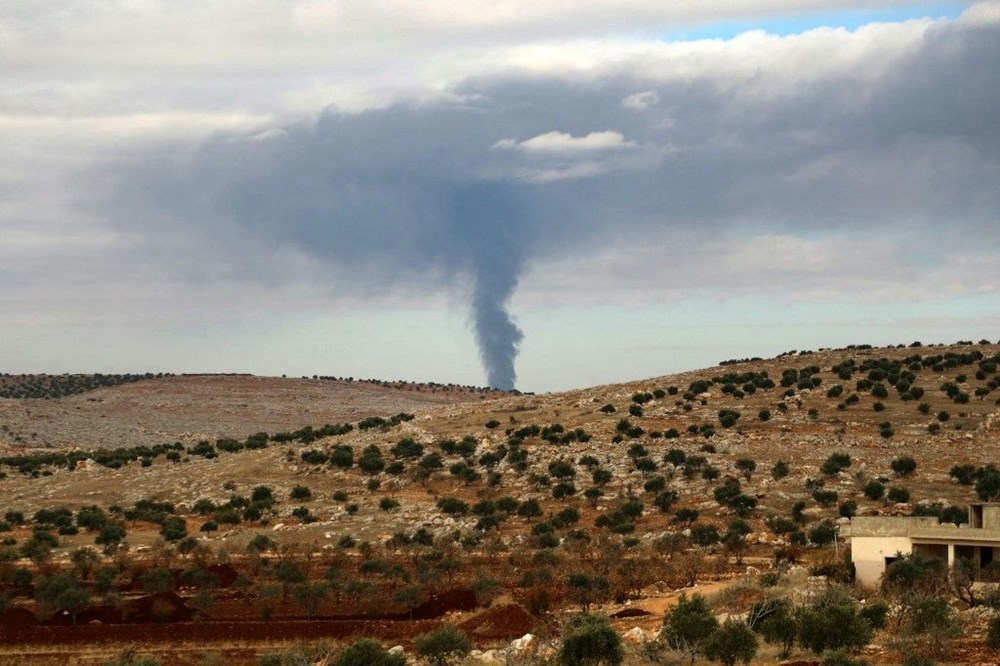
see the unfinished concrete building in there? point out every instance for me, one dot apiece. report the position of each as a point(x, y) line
point(876, 541)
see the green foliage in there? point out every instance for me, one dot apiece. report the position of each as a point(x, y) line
point(689, 625)
point(586, 589)
point(993, 633)
point(746, 466)
point(368, 652)
point(898, 494)
point(776, 622)
point(874, 490)
point(728, 417)
point(832, 622)
point(442, 645)
point(904, 465)
point(61, 593)
point(705, 535)
point(453, 506)
point(174, 529)
point(842, 657)
point(731, 642)
point(590, 640)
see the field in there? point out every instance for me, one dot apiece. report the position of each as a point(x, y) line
point(233, 516)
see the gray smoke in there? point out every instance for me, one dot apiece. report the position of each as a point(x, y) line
point(382, 199)
point(493, 213)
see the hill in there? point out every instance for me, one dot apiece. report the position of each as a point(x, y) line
point(128, 410)
point(638, 487)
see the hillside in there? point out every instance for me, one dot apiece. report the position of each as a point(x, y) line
point(147, 410)
point(639, 483)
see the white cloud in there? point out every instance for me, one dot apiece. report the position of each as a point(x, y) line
point(563, 143)
point(641, 100)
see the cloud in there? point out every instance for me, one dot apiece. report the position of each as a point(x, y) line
point(562, 143)
point(641, 101)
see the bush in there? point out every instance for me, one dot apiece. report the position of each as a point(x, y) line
point(300, 493)
point(898, 494)
point(874, 490)
point(591, 640)
point(688, 626)
point(441, 645)
point(904, 465)
point(731, 642)
point(780, 470)
point(368, 652)
point(453, 506)
point(833, 622)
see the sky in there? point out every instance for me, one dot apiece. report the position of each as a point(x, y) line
point(540, 195)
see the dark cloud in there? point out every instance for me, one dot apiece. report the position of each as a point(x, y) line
point(446, 193)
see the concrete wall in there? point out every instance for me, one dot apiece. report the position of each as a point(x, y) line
point(868, 555)
point(991, 517)
point(889, 526)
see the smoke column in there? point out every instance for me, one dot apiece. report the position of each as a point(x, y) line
point(497, 335)
point(490, 219)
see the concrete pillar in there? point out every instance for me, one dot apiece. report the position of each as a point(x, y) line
point(951, 555)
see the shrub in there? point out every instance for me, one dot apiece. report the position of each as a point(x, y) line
point(825, 497)
point(822, 534)
point(904, 465)
point(452, 506)
point(874, 490)
point(591, 640)
point(746, 466)
point(848, 509)
point(780, 470)
point(833, 622)
point(898, 494)
point(705, 535)
point(300, 493)
point(728, 417)
point(368, 652)
point(688, 626)
point(441, 645)
point(731, 642)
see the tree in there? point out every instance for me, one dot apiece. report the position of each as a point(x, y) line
point(746, 466)
point(289, 573)
point(310, 596)
point(688, 625)
point(832, 622)
point(590, 640)
point(585, 589)
point(110, 537)
point(874, 490)
point(735, 538)
point(898, 494)
point(442, 645)
point(61, 592)
point(174, 529)
point(157, 580)
point(731, 642)
point(904, 465)
point(529, 509)
point(776, 623)
point(368, 652)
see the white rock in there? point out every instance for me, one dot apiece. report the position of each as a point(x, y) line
point(635, 635)
point(523, 644)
